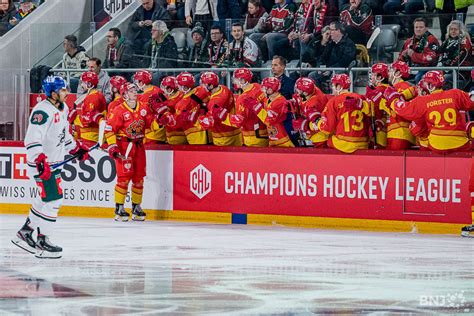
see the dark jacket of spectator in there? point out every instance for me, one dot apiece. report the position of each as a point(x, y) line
point(5, 17)
point(425, 50)
point(199, 55)
point(313, 54)
point(120, 56)
point(162, 55)
point(339, 54)
point(137, 31)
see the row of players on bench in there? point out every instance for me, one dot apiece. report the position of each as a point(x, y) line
point(392, 114)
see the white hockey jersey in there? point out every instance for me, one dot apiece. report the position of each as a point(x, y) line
point(48, 133)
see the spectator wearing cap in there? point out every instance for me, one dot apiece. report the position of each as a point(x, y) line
point(119, 53)
point(162, 51)
point(74, 57)
point(94, 64)
point(7, 15)
point(255, 17)
point(203, 11)
point(26, 7)
point(198, 55)
point(359, 21)
point(420, 50)
point(139, 28)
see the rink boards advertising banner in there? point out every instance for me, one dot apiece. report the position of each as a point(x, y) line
point(322, 184)
point(90, 183)
point(416, 187)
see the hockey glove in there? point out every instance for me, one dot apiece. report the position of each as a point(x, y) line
point(374, 95)
point(391, 94)
point(72, 116)
point(167, 119)
point(252, 105)
point(219, 113)
point(81, 151)
point(470, 129)
point(114, 151)
point(44, 170)
point(300, 124)
point(156, 103)
point(236, 120)
point(91, 117)
point(272, 117)
point(206, 121)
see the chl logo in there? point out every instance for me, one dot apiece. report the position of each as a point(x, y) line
point(113, 7)
point(200, 180)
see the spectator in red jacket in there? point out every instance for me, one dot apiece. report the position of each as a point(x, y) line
point(420, 50)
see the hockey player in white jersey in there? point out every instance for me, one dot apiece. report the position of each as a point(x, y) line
point(47, 141)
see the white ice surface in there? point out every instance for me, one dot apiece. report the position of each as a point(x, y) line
point(174, 268)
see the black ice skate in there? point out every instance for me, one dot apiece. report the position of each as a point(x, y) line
point(137, 213)
point(24, 238)
point(120, 213)
point(45, 249)
point(467, 230)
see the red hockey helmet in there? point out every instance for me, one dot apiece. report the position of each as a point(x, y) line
point(402, 67)
point(380, 69)
point(271, 83)
point(169, 83)
point(185, 79)
point(209, 78)
point(305, 85)
point(143, 76)
point(117, 82)
point(435, 78)
point(90, 77)
point(243, 73)
point(422, 87)
point(341, 79)
point(127, 87)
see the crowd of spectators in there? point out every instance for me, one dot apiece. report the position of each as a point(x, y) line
point(12, 12)
point(318, 33)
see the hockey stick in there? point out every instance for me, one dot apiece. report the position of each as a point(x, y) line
point(373, 37)
point(129, 149)
point(97, 145)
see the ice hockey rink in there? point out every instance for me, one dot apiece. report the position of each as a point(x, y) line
point(160, 267)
